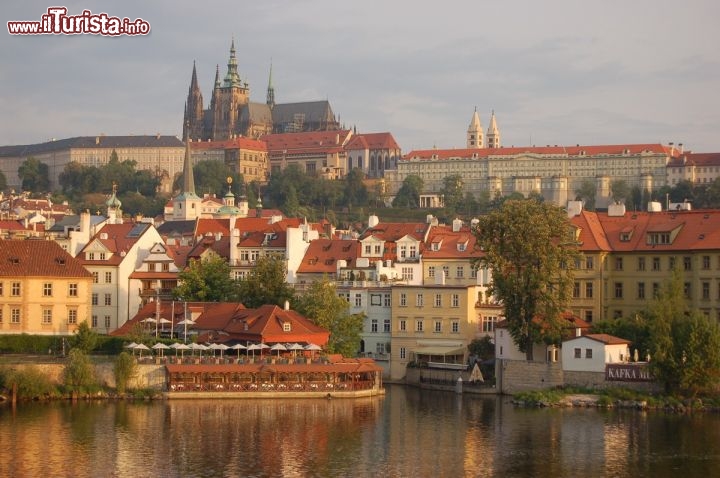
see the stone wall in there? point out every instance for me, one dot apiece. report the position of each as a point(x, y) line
point(515, 376)
point(148, 375)
point(597, 380)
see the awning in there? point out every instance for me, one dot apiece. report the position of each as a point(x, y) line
point(438, 350)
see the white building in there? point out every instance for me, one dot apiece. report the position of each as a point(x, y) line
point(590, 353)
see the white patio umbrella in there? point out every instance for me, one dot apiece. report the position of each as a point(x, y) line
point(476, 375)
point(254, 347)
point(149, 320)
point(131, 345)
point(200, 347)
point(222, 348)
point(278, 347)
point(141, 347)
point(163, 322)
point(160, 346)
point(181, 347)
point(313, 347)
point(295, 347)
point(238, 347)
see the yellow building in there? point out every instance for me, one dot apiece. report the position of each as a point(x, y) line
point(432, 324)
point(43, 289)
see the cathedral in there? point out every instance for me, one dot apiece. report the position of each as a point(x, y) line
point(231, 113)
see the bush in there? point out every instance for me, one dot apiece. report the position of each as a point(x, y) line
point(79, 373)
point(31, 383)
point(125, 369)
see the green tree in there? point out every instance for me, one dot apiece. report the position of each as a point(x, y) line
point(355, 193)
point(483, 348)
point(79, 373)
point(528, 248)
point(291, 205)
point(409, 193)
point(34, 175)
point(686, 345)
point(321, 304)
point(452, 192)
point(211, 177)
point(265, 284)
point(206, 280)
point(125, 369)
point(86, 339)
point(635, 329)
point(586, 193)
point(619, 190)
point(3, 182)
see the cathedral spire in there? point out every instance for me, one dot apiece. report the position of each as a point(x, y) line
point(475, 132)
point(217, 77)
point(188, 177)
point(270, 90)
point(232, 78)
point(192, 122)
point(493, 133)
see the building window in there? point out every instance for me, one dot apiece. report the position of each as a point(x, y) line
point(419, 300)
point(287, 327)
point(108, 299)
point(1, 289)
point(588, 353)
point(386, 326)
point(687, 263)
point(455, 301)
point(368, 249)
point(686, 290)
point(656, 289)
point(438, 300)
point(460, 272)
point(589, 263)
point(403, 251)
point(358, 300)
point(1, 315)
point(641, 290)
point(655, 264)
point(706, 262)
point(413, 251)
point(15, 289)
point(446, 271)
point(641, 263)
point(618, 263)
point(576, 290)
point(588, 316)
point(72, 316)
point(375, 299)
point(47, 316)
point(706, 291)
point(96, 277)
point(577, 352)
point(380, 348)
point(151, 267)
point(407, 273)
point(403, 299)
point(618, 290)
point(94, 322)
point(107, 321)
point(102, 256)
point(671, 262)
point(455, 327)
point(418, 326)
point(95, 298)
point(47, 289)
point(438, 326)
point(108, 277)
point(431, 271)
point(488, 323)
point(473, 273)
point(378, 249)
point(15, 316)
point(73, 290)
point(373, 325)
point(387, 300)
point(165, 267)
point(402, 352)
point(402, 325)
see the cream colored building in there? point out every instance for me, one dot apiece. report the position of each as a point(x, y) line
point(43, 289)
point(432, 323)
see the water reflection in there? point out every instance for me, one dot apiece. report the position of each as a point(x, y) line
point(406, 433)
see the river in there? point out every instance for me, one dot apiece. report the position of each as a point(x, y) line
point(406, 433)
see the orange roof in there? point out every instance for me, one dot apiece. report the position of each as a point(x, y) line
point(235, 143)
point(118, 239)
point(266, 324)
point(607, 339)
point(392, 231)
point(696, 159)
point(213, 226)
point(592, 236)
point(322, 255)
point(340, 367)
point(444, 243)
point(560, 151)
point(38, 258)
point(372, 141)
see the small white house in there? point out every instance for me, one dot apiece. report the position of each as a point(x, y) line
point(590, 353)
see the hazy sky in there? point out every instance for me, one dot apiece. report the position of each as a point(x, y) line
point(555, 72)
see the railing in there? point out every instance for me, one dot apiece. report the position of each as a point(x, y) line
point(272, 387)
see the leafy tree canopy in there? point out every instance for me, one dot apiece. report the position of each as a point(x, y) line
point(265, 284)
point(206, 280)
point(409, 193)
point(528, 248)
point(34, 175)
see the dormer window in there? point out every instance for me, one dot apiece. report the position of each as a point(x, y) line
point(461, 246)
point(435, 246)
point(287, 327)
point(661, 238)
point(91, 256)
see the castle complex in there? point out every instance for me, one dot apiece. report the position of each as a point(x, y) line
point(232, 114)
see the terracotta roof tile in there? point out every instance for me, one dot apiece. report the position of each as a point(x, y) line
point(38, 258)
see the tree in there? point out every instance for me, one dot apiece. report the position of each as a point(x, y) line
point(321, 304)
point(409, 193)
point(686, 345)
point(79, 372)
point(526, 246)
point(452, 192)
point(355, 193)
point(619, 190)
point(125, 369)
point(586, 193)
point(34, 175)
point(3, 182)
point(206, 280)
point(265, 284)
point(211, 177)
point(635, 329)
point(85, 339)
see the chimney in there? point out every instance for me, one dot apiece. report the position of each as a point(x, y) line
point(373, 220)
point(680, 147)
point(287, 305)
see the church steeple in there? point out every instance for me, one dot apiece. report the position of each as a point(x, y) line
point(493, 133)
point(188, 177)
point(475, 132)
point(270, 90)
point(232, 78)
point(192, 122)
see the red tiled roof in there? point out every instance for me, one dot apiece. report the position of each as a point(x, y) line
point(607, 339)
point(561, 151)
point(213, 226)
point(116, 239)
point(322, 255)
point(392, 231)
point(38, 258)
point(449, 242)
point(372, 141)
point(265, 324)
point(592, 236)
point(235, 143)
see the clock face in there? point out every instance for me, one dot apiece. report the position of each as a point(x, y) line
point(229, 180)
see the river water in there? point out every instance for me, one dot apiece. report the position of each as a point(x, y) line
point(406, 433)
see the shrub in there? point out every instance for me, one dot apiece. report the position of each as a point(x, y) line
point(79, 373)
point(125, 369)
point(30, 381)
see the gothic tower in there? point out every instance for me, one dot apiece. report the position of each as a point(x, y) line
point(270, 90)
point(493, 133)
point(475, 133)
point(187, 204)
point(193, 120)
point(230, 98)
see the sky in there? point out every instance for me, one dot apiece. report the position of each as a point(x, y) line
point(559, 72)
